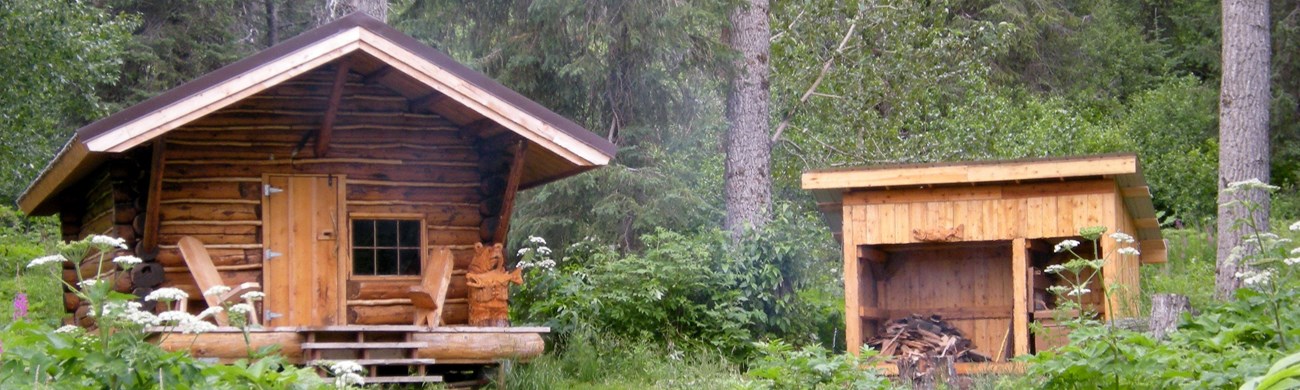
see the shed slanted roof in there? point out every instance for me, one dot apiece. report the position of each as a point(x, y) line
point(353, 34)
point(829, 185)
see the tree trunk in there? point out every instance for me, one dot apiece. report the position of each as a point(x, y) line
point(1166, 309)
point(335, 9)
point(748, 172)
point(272, 23)
point(1243, 127)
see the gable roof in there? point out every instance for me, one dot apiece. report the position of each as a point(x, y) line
point(575, 147)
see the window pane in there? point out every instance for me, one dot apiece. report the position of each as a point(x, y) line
point(386, 233)
point(409, 234)
point(363, 232)
point(363, 262)
point(410, 262)
point(386, 261)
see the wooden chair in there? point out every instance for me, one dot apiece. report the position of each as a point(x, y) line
point(429, 297)
point(206, 276)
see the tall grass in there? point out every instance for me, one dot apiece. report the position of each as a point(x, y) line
point(590, 360)
point(1189, 271)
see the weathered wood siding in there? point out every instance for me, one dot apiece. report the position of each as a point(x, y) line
point(394, 161)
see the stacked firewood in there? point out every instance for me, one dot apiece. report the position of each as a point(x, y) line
point(917, 337)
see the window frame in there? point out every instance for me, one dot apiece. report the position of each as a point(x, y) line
point(424, 244)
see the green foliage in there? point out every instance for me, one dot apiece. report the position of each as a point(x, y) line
point(1285, 374)
point(781, 366)
point(1189, 270)
point(695, 289)
point(44, 293)
point(55, 56)
point(608, 361)
point(1174, 127)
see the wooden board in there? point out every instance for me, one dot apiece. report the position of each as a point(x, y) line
point(304, 283)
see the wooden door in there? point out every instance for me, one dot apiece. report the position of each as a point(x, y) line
point(301, 269)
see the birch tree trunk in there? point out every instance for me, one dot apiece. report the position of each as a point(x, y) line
point(1243, 127)
point(749, 150)
point(335, 9)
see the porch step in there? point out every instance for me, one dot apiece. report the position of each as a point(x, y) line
point(366, 345)
point(380, 362)
point(404, 379)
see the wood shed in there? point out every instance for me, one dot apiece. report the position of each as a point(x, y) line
point(327, 169)
point(968, 241)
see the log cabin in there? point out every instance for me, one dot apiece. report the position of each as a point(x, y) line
point(325, 168)
point(969, 241)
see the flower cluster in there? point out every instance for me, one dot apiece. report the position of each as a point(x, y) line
point(167, 294)
point(1252, 277)
point(536, 254)
point(20, 306)
point(1122, 238)
point(108, 242)
point(129, 311)
point(127, 261)
point(43, 260)
point(1066, 245)
point(346, 374)
point(216, 291)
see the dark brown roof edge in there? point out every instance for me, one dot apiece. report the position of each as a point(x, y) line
point(356, 19)
point(974, 162)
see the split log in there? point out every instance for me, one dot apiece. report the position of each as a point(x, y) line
point(915, 337)
point(479, 347)
point(147, 275)
point(1166, 311)
point(230, 345)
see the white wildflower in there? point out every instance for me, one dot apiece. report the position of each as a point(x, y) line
point(106, 241)
point(241, 308)
point(523, 251)
point(1054, 269)
point(127, 261)
point(546, 264)
point(1292, 261)
point(253, 296)
point(349, 379)
point(1252, 184)
point(345, 367)
point(1252, 278)
point(217, 290)
point(1057, 289)
point(1296, 251)
point(1066, 245)
point(175, 316)
point(1295, 227)
point(1122, 238)
point(544, 251)
point(167, 294)
point(1129, 251)
point(68, 329)
point(88, 283)
point(536, 240)
point(211, 311)
point(43, 260)
point(525, 264)
point(1078, 291)
point(195, 326)
point(142, 318)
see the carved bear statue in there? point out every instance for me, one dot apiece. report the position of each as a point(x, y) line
point(489, 287)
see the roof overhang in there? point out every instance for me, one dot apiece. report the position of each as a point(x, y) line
point(355, 33)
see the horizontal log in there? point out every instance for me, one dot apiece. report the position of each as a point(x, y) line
point(396, 173)
point(230, 346)
point(209, 228)
point(234, 267)
point(452, 236)
point(469, 347)
point(455, 313)
point(125, 215)
point(387, 191)
point(209, 201)
point(171, 257)
point(382, 290)
point(234, 212)
point(190, 150)
point(214, 238)
point(71, 301)
point(292, 132)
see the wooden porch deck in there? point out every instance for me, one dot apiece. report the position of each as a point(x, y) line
point(389, 353)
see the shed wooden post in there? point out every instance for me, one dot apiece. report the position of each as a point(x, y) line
point(1020, 296)
point(852, 316)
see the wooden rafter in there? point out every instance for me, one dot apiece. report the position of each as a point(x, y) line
point(327, 125)
point(151, 213)
point(512, 187)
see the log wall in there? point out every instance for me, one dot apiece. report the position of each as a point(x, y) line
point(395, 161)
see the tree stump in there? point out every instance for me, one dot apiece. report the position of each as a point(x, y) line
point(1166, 309)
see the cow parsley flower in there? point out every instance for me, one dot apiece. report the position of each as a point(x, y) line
point(68, 329)
point(43, 260)
point(1122, 238)
point(195, 326)
point(1252, 184)
point(1292, 261)
point(345, 367)
point(349, 379)
point(1054, 269)
point(142, 318)
point(106, 241)
point(1078, 291)
point(167, 294)
point(241, 308)
point(523, 251)
point(127, 261)
point(1066, 245)
point(1252, 277)
point(217, 290)
point(1295, 227)
point(544, 251)
point(253, 296)
point(1129, 251)
point(536, 240)
point(175, 316)
point(88, 283)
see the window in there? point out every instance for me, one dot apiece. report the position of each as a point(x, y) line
point(386, 247)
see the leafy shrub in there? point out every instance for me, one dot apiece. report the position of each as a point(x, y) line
point(781, 366)
point(603, 360)
point(694, 288)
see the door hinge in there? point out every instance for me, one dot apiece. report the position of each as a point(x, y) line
point(267, 190)
point(268, 254)
point(270, 315)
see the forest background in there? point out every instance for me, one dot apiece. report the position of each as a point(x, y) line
point(895, 81)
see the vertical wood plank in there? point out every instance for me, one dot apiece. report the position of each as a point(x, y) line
point(1019, 296)
point(512, 187)
point(902, 222)
point(1065, 217)
point(1034, 217)
point(154, 197)
point(852, 319)
point(888, 226)
point(343, 248)
point(872, 224)
point(275, 218)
